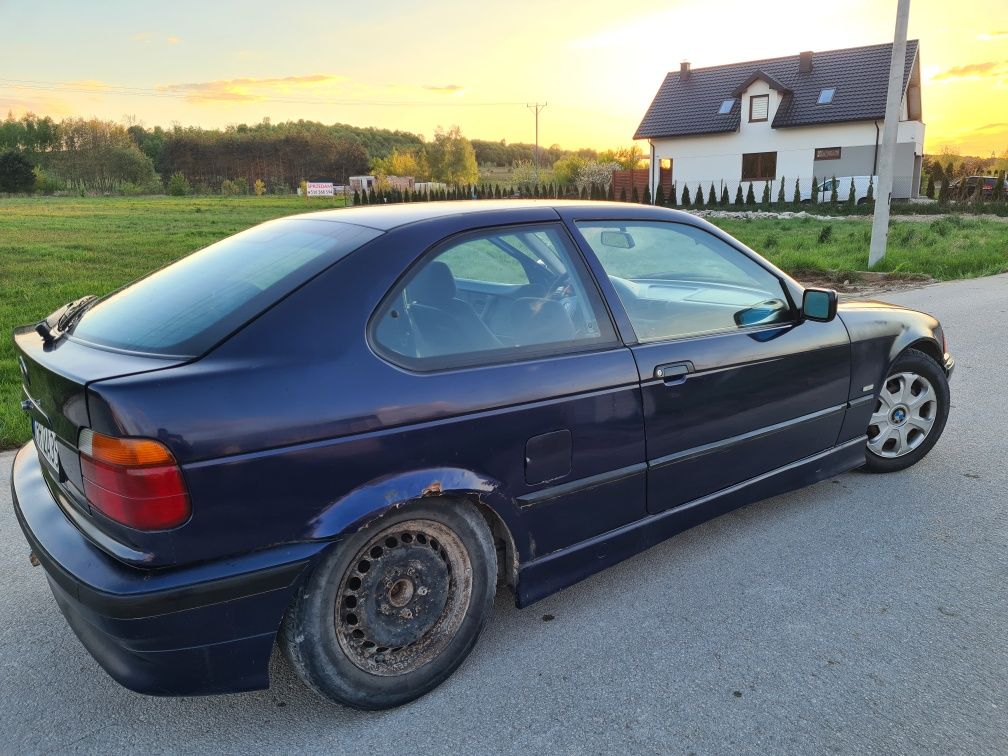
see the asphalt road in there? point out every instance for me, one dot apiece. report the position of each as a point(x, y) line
point(863, 614)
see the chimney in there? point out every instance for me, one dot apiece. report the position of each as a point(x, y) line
point(684, 71)
point(805, 62)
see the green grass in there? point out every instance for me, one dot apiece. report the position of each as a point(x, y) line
point(53, 250)
point(947, 248)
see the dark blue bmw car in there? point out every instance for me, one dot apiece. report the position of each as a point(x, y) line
point(342, 432)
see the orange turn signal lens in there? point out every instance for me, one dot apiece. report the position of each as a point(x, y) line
point(125, 452)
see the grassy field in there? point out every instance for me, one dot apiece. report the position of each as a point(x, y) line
point(53, 250)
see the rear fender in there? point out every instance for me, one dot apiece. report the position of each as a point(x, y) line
point(367, 504)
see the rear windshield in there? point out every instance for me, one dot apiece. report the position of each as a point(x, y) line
point(187, 307)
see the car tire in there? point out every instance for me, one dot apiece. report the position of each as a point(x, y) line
point(897, 394)
point(354, 640)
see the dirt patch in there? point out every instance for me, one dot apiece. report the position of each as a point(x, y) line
point(857, 284)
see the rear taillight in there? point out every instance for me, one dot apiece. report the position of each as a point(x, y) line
point(134, 481)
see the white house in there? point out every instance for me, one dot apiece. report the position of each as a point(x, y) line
point(782, 119)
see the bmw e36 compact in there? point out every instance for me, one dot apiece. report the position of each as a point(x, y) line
point(341, 432)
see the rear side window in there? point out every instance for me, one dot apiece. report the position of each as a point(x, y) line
point(187, 307)
point(496, 295)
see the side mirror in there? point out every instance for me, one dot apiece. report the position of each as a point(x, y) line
point(819, 305)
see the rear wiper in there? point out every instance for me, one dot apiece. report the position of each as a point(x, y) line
point(59, 322)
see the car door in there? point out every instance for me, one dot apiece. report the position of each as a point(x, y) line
point(734, 384)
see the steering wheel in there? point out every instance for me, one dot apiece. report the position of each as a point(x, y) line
point(558, 286)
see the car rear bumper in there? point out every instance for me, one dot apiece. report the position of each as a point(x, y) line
point(203, 629)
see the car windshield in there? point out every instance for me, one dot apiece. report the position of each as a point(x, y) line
point(189, 306)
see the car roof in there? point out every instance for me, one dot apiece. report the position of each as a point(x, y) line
point(387, 217)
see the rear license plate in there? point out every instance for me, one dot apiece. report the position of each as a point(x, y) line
point(45, 442)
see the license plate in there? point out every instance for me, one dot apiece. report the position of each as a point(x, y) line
point(45, 442)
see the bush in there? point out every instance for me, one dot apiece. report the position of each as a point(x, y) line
point(129, 189)
point(46, 184)
point(259, 187)
point(929, 192)
point(765, 199)
point(686, 201)
point(851, 196)
point(780, 192)
point(797, 191)
point(826, 234)
point(724, 195)
point(660, 196)
point(622, 194)
point(738, 195)
point(231, 188)
point(870, 194)
point(815, 191)
point(17, 174)
point(712, 196)
point(178, 185)
point(833, 192)
point(750, 197)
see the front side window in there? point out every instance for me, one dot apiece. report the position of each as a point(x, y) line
point(492, 296)
point(676, 280)
point(759, 166)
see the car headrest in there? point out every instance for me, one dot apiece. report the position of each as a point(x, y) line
point(434, 285)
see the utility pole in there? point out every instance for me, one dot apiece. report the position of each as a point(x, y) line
point(887, 152)
point(538, 108)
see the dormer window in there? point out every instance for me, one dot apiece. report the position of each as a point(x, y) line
point(759, 108)
point(825, 96)
point(726, 107)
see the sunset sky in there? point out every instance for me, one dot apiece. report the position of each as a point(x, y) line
point(415, 65)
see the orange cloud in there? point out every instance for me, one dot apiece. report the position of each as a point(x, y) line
point(444, 87)
point(985, 70)
point(248, 89)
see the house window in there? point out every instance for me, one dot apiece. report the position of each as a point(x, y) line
point(759, 108)
point(825, 96)
point(726, 107)
point(759, 166)
point(827, 153)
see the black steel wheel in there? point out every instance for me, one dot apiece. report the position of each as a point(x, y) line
point(392, 611)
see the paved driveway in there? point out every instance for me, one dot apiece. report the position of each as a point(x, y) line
point(866, 613)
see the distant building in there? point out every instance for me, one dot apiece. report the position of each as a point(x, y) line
point(812, 114)
point(402, 183)
point(362, 183)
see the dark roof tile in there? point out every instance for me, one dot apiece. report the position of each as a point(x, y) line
point(860, 76)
